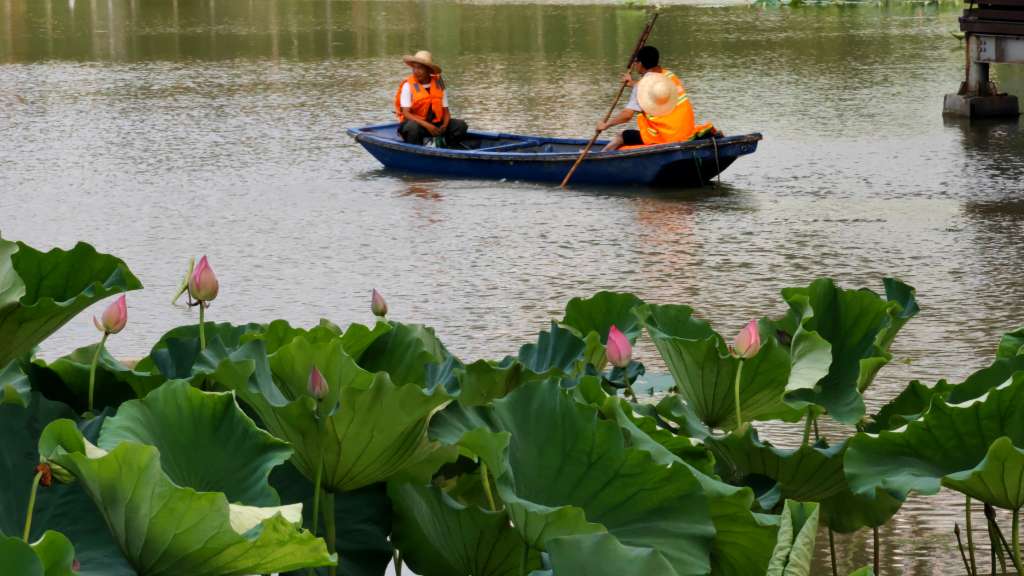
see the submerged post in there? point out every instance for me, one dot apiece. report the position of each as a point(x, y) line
point(995, 33)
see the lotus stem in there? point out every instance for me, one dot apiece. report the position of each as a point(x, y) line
point(736, 389)
point(1016, 540)
point(807, 427)
point(31, 505)
point(990, 513)
point(832, 551)
point(329, 526)
point(316, 492)
point(487, 487)
point(398, 562)
point(202, 327)
point(970, 539)
point(92, 369)
point(876, 564)
point(960, 545)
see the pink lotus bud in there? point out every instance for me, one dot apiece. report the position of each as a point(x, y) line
point(318, 387)
point(76, 566)
point(114, 317)
point(377, 304)
point(203, 285)
point(748, 341)
point(619, 350)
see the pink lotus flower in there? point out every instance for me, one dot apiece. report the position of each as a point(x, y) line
point(76, 565)
point(748, 341)
point(620, 352)
point(318, 387)
point(377, 304)
point(114, 317)
point(203, 285)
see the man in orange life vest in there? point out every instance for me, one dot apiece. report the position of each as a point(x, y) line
point(421, 104)
point(666, 114)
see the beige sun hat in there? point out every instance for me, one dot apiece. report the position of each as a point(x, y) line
point(657, 94)
point(422, 57)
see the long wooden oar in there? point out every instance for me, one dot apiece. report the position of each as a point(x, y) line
point(640, 44)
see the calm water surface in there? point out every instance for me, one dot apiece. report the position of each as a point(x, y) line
point(158, 130)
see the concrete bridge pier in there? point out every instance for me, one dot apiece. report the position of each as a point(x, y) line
point(978, 96)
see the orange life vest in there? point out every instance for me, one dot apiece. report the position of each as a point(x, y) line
point(423, 100)
point(676, 126)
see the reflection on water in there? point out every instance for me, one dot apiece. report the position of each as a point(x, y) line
point(159, 130)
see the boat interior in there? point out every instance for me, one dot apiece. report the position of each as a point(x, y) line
point(495, 142)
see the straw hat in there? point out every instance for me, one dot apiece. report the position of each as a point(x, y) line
point(422, 57)
point(657, 94)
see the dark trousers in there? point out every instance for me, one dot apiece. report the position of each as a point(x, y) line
point(413, 133)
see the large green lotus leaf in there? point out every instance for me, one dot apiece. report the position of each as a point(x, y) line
point(65, 508)
point(205, 441)
point(67, 379)
point(602, 310)
point(997, 480)
point(805, 474)
point(948, 439)
point(860, 326)
point(439, 536)
point(51, 555)
point(1011, 344)
point(370, 429)
point(406, 352)
point(981, 382)
point(14, 385)
point(162, 528)
point(280, 332)
point(362, 521)
point(556, 352)
point(705, 371)
point(743, 540)
point(794, 549)
point(178, 355)
point(484, 381)
point(908, 406)
point(846, 512)
point(570, 472)
point(603, 554)
point(41, 291)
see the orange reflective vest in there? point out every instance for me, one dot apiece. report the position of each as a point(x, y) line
point(423, 100)
point(676, 126)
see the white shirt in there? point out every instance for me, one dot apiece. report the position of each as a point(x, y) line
point(633, 104)
point(405, 99)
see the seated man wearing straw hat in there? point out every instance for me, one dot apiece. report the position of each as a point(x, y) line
point(666, 114)
point(422, 105)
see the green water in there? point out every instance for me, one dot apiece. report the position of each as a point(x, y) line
point(156, 129)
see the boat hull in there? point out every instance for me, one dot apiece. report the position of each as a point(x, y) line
point(513, 157)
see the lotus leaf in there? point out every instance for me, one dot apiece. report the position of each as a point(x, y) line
point(41, 291)
point(860, 326)
point(205, 441)
point(964, 446)
point(409, 353)
point(61, 507)
point(179, 356)
point(603, 310)
point(705, 371)
point(369, 428)
point(14, 385)
point(1011, 344)
point(743, 540)
point(805, 474)
point(566, 472)
point(439, 536)
point(51, 555)
point(795, 547)
point(67, 379)
point(163, 528)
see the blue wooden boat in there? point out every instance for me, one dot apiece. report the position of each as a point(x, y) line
point(509, 156)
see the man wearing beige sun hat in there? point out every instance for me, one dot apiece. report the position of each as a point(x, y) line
point(666, 114)
point(421, 105)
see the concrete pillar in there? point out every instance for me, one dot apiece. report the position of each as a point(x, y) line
point(978, 97)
